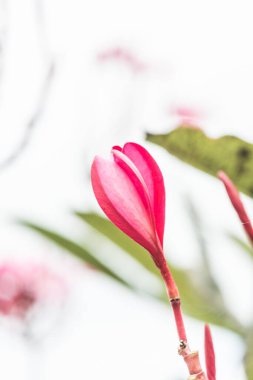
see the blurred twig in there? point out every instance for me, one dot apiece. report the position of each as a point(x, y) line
point(33, 120)
point(3, 33)
point(44, 91)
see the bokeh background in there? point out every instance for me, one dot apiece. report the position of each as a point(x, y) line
point(77, 77)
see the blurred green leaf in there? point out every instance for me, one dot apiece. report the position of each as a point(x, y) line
point(248, 359)
point(76, 249)
point(197, 302)
point(206, 281)
point(242, 244)
point(107, 229)
point(197, 225)
point(227, 153)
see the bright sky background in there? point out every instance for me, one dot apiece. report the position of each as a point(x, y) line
point(198, 55)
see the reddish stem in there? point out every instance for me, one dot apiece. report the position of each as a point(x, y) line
point(176, 307)
point(191, 358)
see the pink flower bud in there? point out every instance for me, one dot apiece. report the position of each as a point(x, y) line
point(237, 203)
point(209, 355)
point(129, 188)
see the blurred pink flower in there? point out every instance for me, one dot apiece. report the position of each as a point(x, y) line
point(186, 115)
point(23, 286)
point(122, 55)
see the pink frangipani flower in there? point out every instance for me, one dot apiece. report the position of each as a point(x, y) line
point(23, 286)
point(130, 189)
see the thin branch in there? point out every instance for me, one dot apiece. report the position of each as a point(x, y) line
point(43, 94)
point(3, 33)
point(33, 120)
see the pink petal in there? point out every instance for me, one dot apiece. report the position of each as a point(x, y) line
point(237, 203)
point(122, 201)
point(153, 178)
point(136, 178)
point(209, 354)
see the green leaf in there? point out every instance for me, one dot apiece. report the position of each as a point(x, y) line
point(196, 303)
point(227, 153)
point(242, 244)
point(206, 282)
point(248, 359)
point(107, 229)
point(197, 225)
point(75, 249)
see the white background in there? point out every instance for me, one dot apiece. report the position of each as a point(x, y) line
point(199, 55)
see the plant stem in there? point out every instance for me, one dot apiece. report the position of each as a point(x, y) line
point(191, 358)
point(176, 307)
